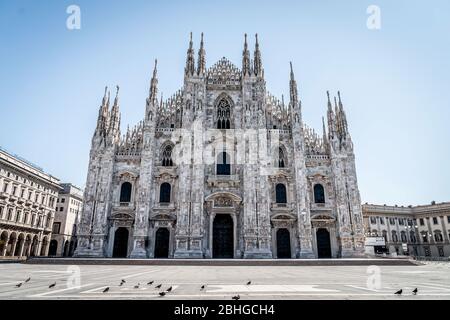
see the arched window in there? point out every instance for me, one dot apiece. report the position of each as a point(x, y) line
point(394, 236)
point(223, 164)
point(319, 194)
point(125, 192)
point(281, 158)
point(438, 236)
point(384, 233)
point(403, 236)
point(412, 236)
point(280, 191)
point(164, 193)
point(223, 114)
point(167, 157)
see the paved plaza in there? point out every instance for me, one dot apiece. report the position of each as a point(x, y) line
point(222, 282)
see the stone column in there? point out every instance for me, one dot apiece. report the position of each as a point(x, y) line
point(22, 246)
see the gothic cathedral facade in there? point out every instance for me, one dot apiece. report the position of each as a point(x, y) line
point(221, 169)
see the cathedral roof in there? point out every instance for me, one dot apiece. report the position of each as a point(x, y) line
point(223, 72)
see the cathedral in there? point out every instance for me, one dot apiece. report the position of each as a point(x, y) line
point(221, 169)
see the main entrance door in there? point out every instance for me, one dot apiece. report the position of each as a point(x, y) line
point(162, 243)
point(283, 244)
point(120, 243)
point(223, 236)
point(323, 243)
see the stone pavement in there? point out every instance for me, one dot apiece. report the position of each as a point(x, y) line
point(222, 282)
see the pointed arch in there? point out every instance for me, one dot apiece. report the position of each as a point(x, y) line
point(166, 155)
point(224, 106)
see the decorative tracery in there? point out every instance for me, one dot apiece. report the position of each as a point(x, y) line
point(166, 160)
point(223, 114)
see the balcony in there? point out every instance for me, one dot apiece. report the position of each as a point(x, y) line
point(223, 181)
point(124, 206)
point(321, 207)
point(282, 207)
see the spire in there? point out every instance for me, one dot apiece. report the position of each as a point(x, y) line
point(201, 63)
point(103, 115)
point(324, 135)
point(293, 89)
point(257, 59)
point(245, 58)
point(330, 116)
point(343, 117)
point(105, 96)
point(114, 124)
point(190, 61)
point(116, 99)
point(154, 83)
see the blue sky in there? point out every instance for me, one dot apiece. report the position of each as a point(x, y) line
point(394, 81)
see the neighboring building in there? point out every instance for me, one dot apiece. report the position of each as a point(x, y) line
point(67, 217)
point(221, 169)
point(417, 231)
point(27, 207)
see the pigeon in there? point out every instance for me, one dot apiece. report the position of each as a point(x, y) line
point(106, 290)
point(236, 297)
point(150, 283)
point(415, 291)
point(123, 281)
point(27, 280)
point(249, 283)
point(399, 292)
point(137, 286)
point(18, 285)
point(121, 284)
point(158, 286)
point(162, 294)
point(52, 285)
point(170, 289)
point(202, 287)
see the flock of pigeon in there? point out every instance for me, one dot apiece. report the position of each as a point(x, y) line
point(163, 293)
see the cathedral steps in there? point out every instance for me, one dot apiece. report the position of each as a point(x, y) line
point(225, 262)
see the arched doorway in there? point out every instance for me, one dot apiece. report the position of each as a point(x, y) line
point(162, 240)
point(44, 245)
point(120, 243)
point(34, 245)
point(3, 242)
point(223, 236)
point(323, 243)
point(283, 244)
point(53, 248)
point(19, 245)
point(66, 248)
point(26, 248)
point(71, 248)
point(10, 245)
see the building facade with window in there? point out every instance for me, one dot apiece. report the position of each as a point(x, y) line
point(27, 207)
point(67, 218)
point(417, 231)
point(221, 169)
